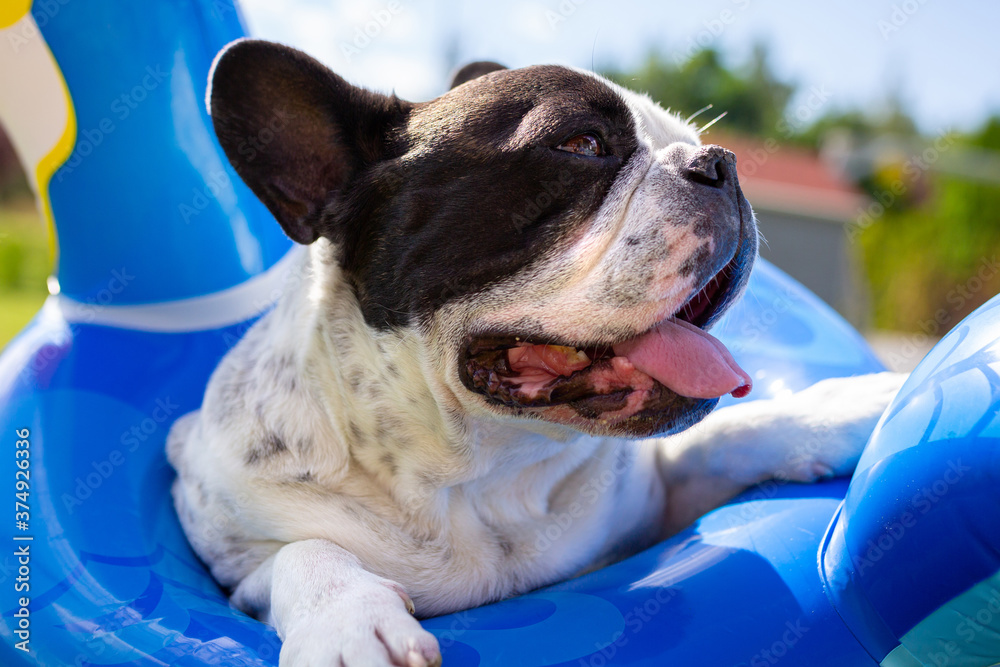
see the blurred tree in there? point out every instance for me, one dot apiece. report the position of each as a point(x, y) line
point(931, 265)
point(751, 94)
point(862, 127)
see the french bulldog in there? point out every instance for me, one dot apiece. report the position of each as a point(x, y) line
point(504, 297)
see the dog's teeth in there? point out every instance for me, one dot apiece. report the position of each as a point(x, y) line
point(502, 366)
point(492, 381)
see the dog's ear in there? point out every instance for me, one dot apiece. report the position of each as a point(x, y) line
point(474, 71)
point(294, 131)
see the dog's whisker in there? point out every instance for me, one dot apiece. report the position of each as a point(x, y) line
point(712, 122)
point(698, 113)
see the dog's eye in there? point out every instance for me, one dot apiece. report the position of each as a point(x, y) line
point(583, 144)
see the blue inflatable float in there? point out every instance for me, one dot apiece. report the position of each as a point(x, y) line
point(165, 258)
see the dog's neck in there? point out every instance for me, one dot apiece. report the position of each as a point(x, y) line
point(388, 406)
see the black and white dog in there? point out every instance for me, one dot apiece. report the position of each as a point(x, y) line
point(504, 287)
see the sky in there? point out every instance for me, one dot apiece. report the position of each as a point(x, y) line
point(941, 58)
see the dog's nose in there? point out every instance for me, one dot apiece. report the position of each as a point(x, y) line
point(711, 166)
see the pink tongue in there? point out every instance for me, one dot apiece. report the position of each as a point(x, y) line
point(687, 360)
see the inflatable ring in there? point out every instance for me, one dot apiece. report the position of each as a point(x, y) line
point(165, 259)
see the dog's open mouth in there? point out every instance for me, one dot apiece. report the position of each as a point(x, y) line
point(673, 368)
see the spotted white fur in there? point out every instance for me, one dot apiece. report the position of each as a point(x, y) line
point(335, 473)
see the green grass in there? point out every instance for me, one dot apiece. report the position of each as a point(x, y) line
point(18, 308)
point(24, 265)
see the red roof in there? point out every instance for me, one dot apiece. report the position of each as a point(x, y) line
point(778, 176)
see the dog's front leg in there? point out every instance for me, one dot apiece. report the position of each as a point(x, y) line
point(816, 433)
point(329, 610)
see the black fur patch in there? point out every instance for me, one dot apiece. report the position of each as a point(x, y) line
point(357, 437)
point(268, 448)
point(480, 190)
point(474, 71)
point(388, 459)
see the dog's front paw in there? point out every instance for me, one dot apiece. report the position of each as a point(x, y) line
point(838, 416)
point(369, 623)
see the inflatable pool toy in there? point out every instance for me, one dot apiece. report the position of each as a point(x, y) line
point(165, 259)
